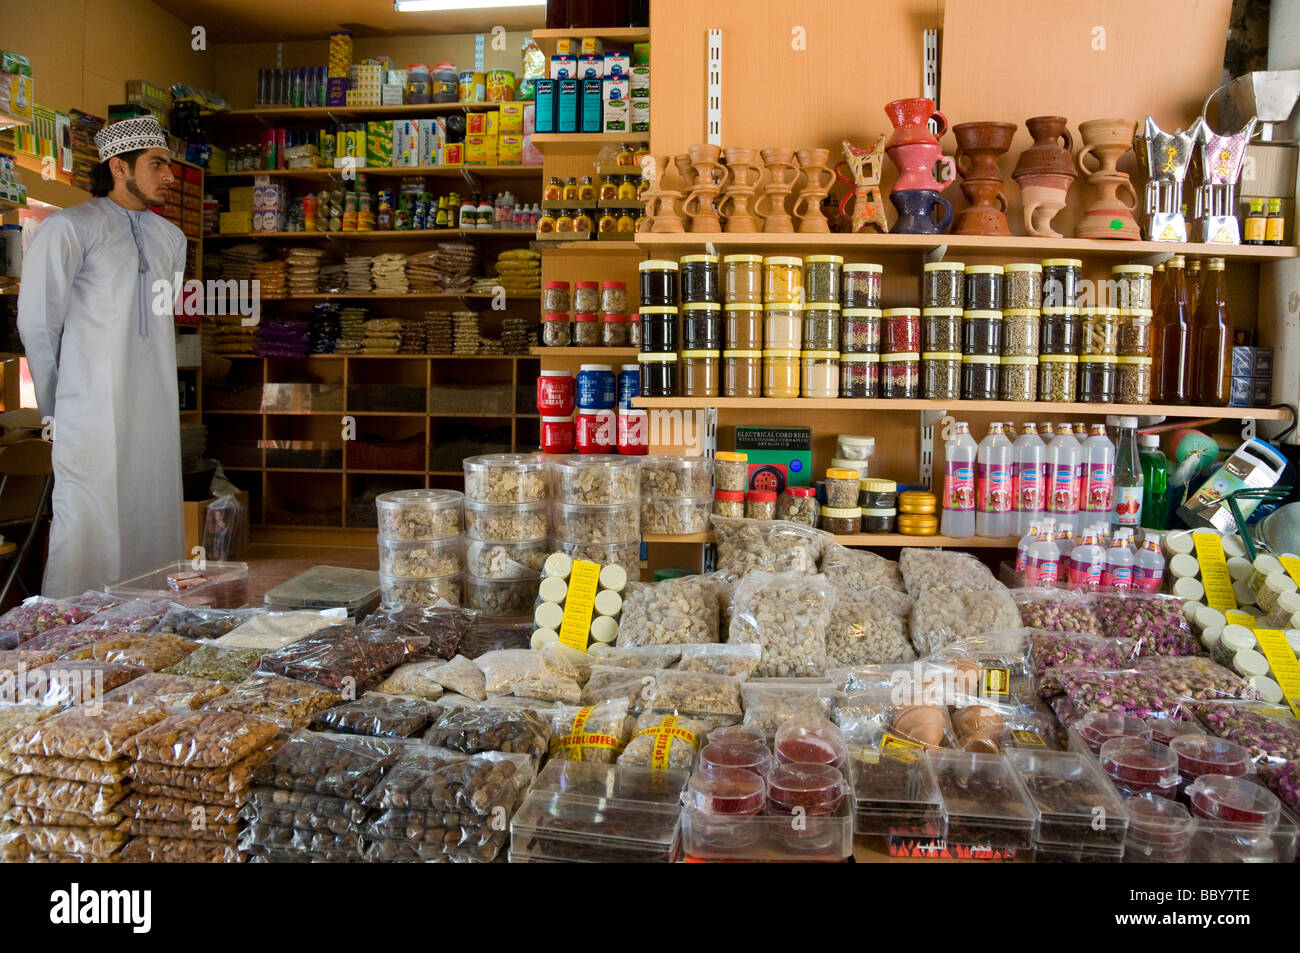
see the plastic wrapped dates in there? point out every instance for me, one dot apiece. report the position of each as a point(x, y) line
point(344, 766)
point(377, 715)
point(202, 739)
point(431, 782)
point(102, 735)
point(342, 656)
point(472, 730)
point(787, 616)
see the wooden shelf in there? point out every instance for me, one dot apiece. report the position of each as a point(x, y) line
point(443, 171)
point(376, 236)
point(615, 34)
point(596, 247)
point(469, 295)
point(271, 114)
point(379, 357)
point(9, 119)
point(581, 143)
point(8, 206)
point(957, 406)
point(874, 539)
point(574, 352)
point(975, 244)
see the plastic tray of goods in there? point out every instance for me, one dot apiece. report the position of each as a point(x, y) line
point(1076, 805)
point(986, 803)
point(894, 795)
point(328, 587)
point(578, 811)
point(1238, 820)
point(222, 585)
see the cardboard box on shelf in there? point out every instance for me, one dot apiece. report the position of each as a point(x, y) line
point(640, 112)
point(512, 117)
point(592, 45)
point(510, 148)
point(591, 66)
point(564, 66)
point(592, 108)
point(617, 63)
point(235, 223)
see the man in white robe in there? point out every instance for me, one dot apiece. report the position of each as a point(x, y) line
point(103, 359)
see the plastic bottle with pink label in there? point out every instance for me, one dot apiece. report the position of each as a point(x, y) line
point(993, 515)
point(1087, 561)
point(959, 483)
point(1148, 567)
point(1022, 548)
point(1062, 491)
point(1098, 490)
point(1042, 559)
point(1029, 478)
point(1064, 546)
point(1118, 572)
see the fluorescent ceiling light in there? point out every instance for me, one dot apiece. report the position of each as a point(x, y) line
point(426, 6)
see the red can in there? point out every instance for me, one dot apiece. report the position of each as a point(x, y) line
point(557, 435)
point(597, 432)
point(555, 393)
point(634, 432)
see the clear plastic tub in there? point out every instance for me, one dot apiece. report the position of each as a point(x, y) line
point(1069, 791)
point(506, 522)
point(576, 523)
point(626, 555)
point(327, 587)
point(1160, 831)
point(420, 514)
point(1238, 801)
point(897, 795)
point(398, 591)
point(768, 837)
point(221, 585)
point(505, 478)
point(1200, 754)
point(1140, 766)
point(727, 792)
point(675, 517)
point(810, 740)
point(421, 559)
point(1165, 731)
point(985, 801)
point(506, 560)
point(501, 598)
point(672, 477)
point(596, 480)
point(751, 756)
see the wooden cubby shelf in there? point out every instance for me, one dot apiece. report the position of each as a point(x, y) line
point(446, 171)
point(374, 236)
point(1042, 408)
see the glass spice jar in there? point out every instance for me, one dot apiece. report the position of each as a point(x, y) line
point(1100, 332)
point(658, 329)
point(1022, 286)
point(842, 487)
point(979, 376)
point(658, 375)
point(782, 280)
point(941, 375)
point(634, 330)
point(1018, 378)
point(877, 494)
point(586, 330)
point(760, 505)
point(982, 332)
point(1133, 380)
point(729, 503)
point(586, 296)
point(742, 279)
point(944, 285)
point(1134, 289)
point(842, 521)
point(860, 330)
point(781, 373)
point(783, 327)
point(1061, 282)
point(1059, 331)
point(821, 277)
point(555, 297)
point(742, 373)
point(878, 520)
point(860, 285)
point(798, 504)
point(859, 375)
point(983, 288)
point(1058, 377)
point(821, 327)
point(901, 331)
point(821, 373)
point(731, 470)
point(744, 326)
point(702, 326)
point(700, 278)
point(941, 329)
point(613, 297)
point(1020, 331)
point(658, 283)
point(1097, 382)
point(900, 375)
point(613, 330)
point(555, 330)
point(1134, 334)
point(699, 374)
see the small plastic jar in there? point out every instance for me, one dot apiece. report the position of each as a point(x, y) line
point(700, 279)
point(877, 494)
point(842, 487)
point(555, 330)
point(842, 521)
point(658, 329)
point(781, 373)
point(941, 329)
point(821, 373)
point(979, 376)
point(555, 297)
point(1097, 384)
point(944, 285)
point(879, 520)
point(859, 375)
point(760, 505)
point(1018, 379)
point(1133, 380)
point(941, 375)
point(586, 296)
point(917, 503)
point(1200, 754)
point(1061, 282)
point(743, 326)
point(982, 332)
point(900, 376)
point(783, 327)
point(658, 375)
point(731, 471)
point(1022, 286)
point(658, 283)
point(557, 435)
point(1134, 334)
point(798, 504)
point(900, 331)
point(751, 756)
point(860, 330)
point(699, 374)
point(821, 327)
point(742, 279)
point(860, 285)
point(1020, 332)
point(729, 503)
point(634, 330)
point(782, 280)
point(917, 525)
point(613, 297)
point(702, 326)
point(1058, 377)
point(1100, 332)
point(1059, 331)
point(586, 329)
point(613, 330)
point(1140, 766)
point(1234, 801)
point(983, 288)
point(1134, 286)
point(852, 447)
point(821, 279)
point(1274, 586)
point(742, 373)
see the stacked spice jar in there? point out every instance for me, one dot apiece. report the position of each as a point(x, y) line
point(506, 507)
point(599, 318)
point(658, 320)
point(421, 547)
point(597, 514)
point(702, 328)
point(860, 317)
point(1022, 295)
point(1133, 363)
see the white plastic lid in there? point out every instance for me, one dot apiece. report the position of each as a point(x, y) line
point(1129, 422)
point(1179, 542)
point(553, 589)
point(1189, 588)
point(850, 440)
point(839, 463)
point(1185, 566)
point(608, 603)
point(543, 637)
point(1288, 604)
point(613, 578)
point(1210, 637)
point(1248, 662)
point(597, 649)
point(1293, 639)
point(604, 629)
point(1233, 546)
point(1239, 568)
point(1266, 565)
point(1208, 617)
point(1245, 595)
point(1270, 690)
point(556, 374)
point(1279, 582)
point(1235, 638)
point(597, 367)
point(1149, 440)
point(1189, 609)
point(548, 616)
point(558, 565)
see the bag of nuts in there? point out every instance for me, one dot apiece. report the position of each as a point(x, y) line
point(787, 615)
point(940, 570)
point(942, 617)
point(595, 733)
point(679, 611)
point(859, 570)
point(777, 546)
point(664, 742)
point(869, 627)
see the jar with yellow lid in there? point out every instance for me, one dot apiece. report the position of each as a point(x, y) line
point(1097, 379)
point(944, 285)
point(783, 327)
point(1100, 332)
point(782, 280)
point(983, 287)
point(1135, 283)
point(1133, 380)
point(860, 285)
point(1022, 286)
point(841, 521)
point(941, 375)
point(900, 376)
point(860, 330)
point(1061, 278)
point(1058, 377)
point(699, 377)
point(731, 471)
point(744, 326)
point(875, 493)
point(821, 278)
point(742, 373)
point(742, 279)
point(979, 376)
point(913, 524)
point(1018, 378)
point(700, 279)
point(658, 282)
point(702, 326)
point(859, 375)
point(1134, 338)
point(781, 373)
point(842, 487)
point(821, 373)
point(917, 503)
point(1020, 332)
point(821, 327)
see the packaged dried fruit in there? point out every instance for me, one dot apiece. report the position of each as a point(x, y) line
point(472, 730)
point(215, 663)
point(288, 701)
point(433, 632)
point(1271, 732)
point(704, 696)
point(342, 766)
point(1157, 621)
point(202, 739)
point(341, 657)
point(1053, 610)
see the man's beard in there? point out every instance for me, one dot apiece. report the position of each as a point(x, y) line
point(135, 190)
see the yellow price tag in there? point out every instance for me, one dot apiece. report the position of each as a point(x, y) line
point(1214, 572)
point(1241, 618)
point(997, 681)
point(579, 603)
point(1286, 669)
point(1292, 565)
point(900, 749)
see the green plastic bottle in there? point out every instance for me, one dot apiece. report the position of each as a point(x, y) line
point(1155, 483)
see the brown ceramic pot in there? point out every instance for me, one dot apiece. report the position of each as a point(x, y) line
point(1051, 153)
point(979, 144)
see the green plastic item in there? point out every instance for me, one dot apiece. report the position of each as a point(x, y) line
point(664, 574)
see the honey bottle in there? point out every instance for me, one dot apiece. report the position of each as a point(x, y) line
point(587, 190)
point(554, 190)
point(1275, 224)
point(571, 190)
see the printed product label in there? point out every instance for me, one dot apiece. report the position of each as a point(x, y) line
point(1286, 669)
point(1029, 488)
point(1099, 486)
point(1041, 573)
point(1062, 498)
point(1118, 577)
point(900, 749)
point(1128, 506)
point(1087, 576)
point(959, 487)
point(994, 488)
point(1147, 580)
point(1214, 572)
